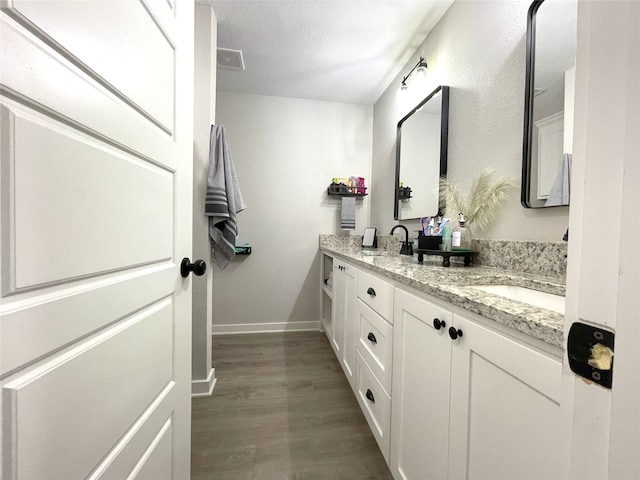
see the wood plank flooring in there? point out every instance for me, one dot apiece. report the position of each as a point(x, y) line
point(281, 409)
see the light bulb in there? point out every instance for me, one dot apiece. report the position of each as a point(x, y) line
point(421, 77)
point(402, 95)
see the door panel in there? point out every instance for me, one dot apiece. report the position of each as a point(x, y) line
point(96, 105)
point(505, 417)
point(32, 330)
point(351, 323)
point(52, 408)
point(156, 461)
point(101, 232)
point(420, 390)
point(126, 60)
point(52, 84)
point(129, 453)
point(338, 320)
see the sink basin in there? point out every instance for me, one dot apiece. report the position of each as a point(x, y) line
point(536, 298)
point(373, 253)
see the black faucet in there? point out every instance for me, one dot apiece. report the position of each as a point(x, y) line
point(407, 247)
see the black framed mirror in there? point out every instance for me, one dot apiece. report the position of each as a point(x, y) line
point(548, 110)
point(421, 157)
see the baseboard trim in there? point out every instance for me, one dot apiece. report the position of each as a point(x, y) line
point(204, 388)
point(265, 327)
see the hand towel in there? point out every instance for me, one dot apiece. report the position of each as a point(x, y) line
point(223, 199)
point(560, 190)
point(348, 213)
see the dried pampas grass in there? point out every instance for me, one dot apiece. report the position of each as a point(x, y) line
point(482, 203)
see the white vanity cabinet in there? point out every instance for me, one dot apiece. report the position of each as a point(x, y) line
point(476, 402)
point(340, 316)
point(482, 405)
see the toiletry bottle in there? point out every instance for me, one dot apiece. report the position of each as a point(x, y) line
point(461, 236)
point(446, 238)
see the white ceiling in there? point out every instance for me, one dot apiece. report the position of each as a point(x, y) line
point(332, 50)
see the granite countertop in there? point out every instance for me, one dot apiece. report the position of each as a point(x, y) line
point(454, 285)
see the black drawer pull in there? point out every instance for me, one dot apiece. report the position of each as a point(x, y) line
point(371, 292)
point(369, 395)
point(438, 324)
point(372, 338)
point(453, 333)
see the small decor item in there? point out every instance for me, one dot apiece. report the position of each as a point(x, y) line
point(404, 193)
point(243, 250)
point(482, 203)
point(350, 187)
point(369, 238)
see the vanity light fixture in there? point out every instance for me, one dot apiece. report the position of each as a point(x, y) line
point(420, 69)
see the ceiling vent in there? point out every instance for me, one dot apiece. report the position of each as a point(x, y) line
point(228, 58)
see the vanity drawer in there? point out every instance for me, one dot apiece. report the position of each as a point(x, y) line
point(377, 293)
point(375, 404)
point(376, 343)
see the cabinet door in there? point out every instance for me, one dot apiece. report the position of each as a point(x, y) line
point(505, 413)
point(338, 308)
point(420, 390)
point(350, 322)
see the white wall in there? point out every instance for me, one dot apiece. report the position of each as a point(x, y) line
point(478, 49)
point(203, 376)
point(285, 152)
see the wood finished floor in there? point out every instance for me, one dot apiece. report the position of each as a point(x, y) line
point(281, 409)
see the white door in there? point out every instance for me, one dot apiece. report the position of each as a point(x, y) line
point(95, 176)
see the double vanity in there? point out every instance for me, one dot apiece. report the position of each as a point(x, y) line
point(457, 370)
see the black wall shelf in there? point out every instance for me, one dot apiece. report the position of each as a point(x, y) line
point(342, 190)
point(348, 194)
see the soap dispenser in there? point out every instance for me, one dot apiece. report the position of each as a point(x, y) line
point(461, 235)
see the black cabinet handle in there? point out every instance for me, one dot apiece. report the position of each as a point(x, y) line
point(371, 292)
point(453, 333)
point(369, 395)
point(372, 338)
point(198, 267)
point(438, 324)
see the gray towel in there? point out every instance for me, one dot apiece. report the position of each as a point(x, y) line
point(559, 193)
point(348, 213)
point(223, 199)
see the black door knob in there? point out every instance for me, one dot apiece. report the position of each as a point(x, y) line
point(372, 338)
point(369, 395)
point(438, 324)
point(371, 292)
point(453, 333)
point(198, 267)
